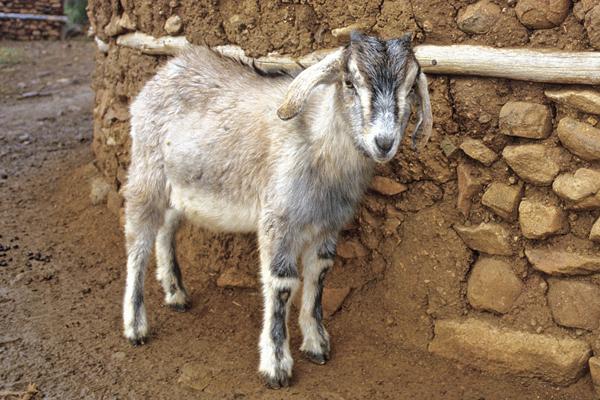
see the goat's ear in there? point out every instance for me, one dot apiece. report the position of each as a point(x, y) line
point(304, 83)
point(424, 125)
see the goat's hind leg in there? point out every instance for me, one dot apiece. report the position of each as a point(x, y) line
point(317, 260)
point(143, 215)
point(167, 268)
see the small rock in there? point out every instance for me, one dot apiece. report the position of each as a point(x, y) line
point(559, 262)
point(479, 17)
point(236, 278)
point(542, 14)
point(582, 7)
point(503, 350)
point(595, 231)
point(574, 304)
point(173, 25)
point(594, 364)
point(493, 286)
point(587, 204)
point(119, 356)
point(502, 199)
point(585, 100)
point(343, 34)
point(448, 147)
point(99, 191)
point(333, 299)
point(351, 249)
point(538, 220)
point(126, 23)
point(579, 138)
point(534, 163)
point(575, 187)
point(468, 186)
point(114, 27)
point(478, 151)
point(490, 238)
point(387, 186)
point(528, 120)
point(592, 26)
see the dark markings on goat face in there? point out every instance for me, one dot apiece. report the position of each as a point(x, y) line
point(383, 64)
point(318, 307)
point(327, 249)
point(278, 327)
point(282, 267)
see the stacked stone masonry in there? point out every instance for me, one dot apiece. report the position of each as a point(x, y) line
point(489, 232)
point(30, 29)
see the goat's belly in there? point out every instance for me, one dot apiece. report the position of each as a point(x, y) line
point(213, 212)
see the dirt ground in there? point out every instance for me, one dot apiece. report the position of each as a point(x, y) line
point(62, 277)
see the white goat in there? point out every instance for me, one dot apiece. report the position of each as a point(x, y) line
point(211, 142)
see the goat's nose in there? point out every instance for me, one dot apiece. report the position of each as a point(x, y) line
point(384, 143)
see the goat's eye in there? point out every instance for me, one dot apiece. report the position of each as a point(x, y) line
point(349, 85)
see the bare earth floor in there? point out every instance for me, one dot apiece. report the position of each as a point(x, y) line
point(62, 273)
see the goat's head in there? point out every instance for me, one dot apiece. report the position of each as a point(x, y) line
point(378, 82)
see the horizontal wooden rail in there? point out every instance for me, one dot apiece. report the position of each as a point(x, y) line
point(535, 65)
point(40, 17)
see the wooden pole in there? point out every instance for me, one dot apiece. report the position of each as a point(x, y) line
point(534, 65)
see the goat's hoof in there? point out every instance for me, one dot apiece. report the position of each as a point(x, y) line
point(317, 358)
point(135, 342)
point(179, 307)
point(278, 381)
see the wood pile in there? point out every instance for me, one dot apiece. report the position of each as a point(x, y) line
point(31, 20)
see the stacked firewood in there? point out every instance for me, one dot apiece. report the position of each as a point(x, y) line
point(23, 26)
point(44, 7)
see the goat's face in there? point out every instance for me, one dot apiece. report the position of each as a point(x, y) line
point(378, 82)
point(377, 88)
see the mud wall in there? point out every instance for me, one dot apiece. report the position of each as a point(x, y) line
point(490, 231)
point(30, 29)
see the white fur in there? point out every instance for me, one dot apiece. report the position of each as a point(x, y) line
point(209, 211)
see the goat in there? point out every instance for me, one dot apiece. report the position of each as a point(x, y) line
point(224, 145)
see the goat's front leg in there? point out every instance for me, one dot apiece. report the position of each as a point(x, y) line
point(317, 260)
point(279, 275)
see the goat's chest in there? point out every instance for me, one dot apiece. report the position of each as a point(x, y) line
point(324, 202)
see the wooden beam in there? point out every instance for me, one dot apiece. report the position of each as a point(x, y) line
point(534, 65)
point(40, 17)
point(164, 45)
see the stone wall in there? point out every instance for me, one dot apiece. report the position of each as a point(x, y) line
point(31, 29)
point(491, 232)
